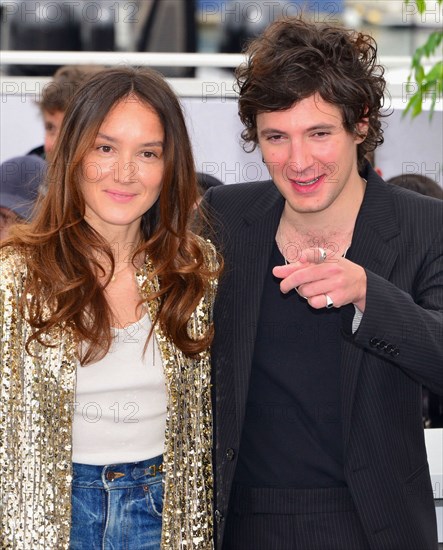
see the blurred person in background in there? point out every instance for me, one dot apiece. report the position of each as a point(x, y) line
point(106, 318)
point(20, 182)
point(418, 183)
point(205, 182)
point(55, 100)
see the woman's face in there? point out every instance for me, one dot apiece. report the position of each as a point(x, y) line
point(122, 173)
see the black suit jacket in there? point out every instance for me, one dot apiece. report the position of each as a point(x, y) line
point(398, 239)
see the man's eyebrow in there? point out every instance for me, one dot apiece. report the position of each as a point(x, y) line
point(270, 131)
point(319, 127)
point(316, 128)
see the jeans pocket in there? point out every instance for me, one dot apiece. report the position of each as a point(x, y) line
point(154, 498)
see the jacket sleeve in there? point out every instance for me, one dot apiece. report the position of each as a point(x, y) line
point(11, 402)
point(406, 328)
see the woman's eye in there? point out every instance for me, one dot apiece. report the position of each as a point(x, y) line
point(105, 148)
point(149, 154)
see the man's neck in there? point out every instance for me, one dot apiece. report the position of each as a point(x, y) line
point(330, 229)
point(338, 218)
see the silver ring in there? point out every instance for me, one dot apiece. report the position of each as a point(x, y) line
point(329, 301)
point(323, 254)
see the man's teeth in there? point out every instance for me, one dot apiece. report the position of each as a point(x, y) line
point(310, 182)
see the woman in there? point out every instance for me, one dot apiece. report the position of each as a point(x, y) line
point(106, 302)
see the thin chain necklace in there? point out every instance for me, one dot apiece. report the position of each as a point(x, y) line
point(116, 274)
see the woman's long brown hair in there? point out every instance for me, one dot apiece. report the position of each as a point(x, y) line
point(63, 252)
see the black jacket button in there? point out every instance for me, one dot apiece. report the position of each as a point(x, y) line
point(389, 348)
point(395, 352)
point(374, 342)
point(218, 516)
point(382, 344)
point(230, 453)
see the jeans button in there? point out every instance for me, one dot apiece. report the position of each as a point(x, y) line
point(110, 476)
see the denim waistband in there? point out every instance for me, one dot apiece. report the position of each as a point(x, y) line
point(263, 500)
point(118, 475)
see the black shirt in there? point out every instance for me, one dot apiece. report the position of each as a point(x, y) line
point(292, 435)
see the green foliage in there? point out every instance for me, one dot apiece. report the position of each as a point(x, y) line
point(428, 85)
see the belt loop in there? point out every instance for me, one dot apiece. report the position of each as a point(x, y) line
point(154, 470)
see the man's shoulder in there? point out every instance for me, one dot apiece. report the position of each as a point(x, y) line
point(242, 189)
point(414, 207)
point(229, 207)
point(407, 196)
point(408, 206)
point(238, 195)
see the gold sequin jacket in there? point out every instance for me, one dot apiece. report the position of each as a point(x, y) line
point(37, 396)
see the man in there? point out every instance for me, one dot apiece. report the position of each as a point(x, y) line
point(329, 314)
point(418, 183)
point(54, 102)
point(20, 183)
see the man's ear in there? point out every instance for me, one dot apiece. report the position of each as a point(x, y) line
point(361, 130)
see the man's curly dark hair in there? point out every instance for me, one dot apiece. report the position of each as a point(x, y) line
point(294, 59)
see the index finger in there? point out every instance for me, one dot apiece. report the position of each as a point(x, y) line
point(315, 255)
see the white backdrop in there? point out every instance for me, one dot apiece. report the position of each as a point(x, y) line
point(410, 145)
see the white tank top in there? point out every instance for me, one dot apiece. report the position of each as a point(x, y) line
point(120, 405)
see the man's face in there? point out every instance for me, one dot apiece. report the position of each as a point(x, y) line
point(310, 156)
point(53, 121)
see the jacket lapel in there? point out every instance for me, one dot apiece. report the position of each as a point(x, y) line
point(253, 248)
point(376, 225)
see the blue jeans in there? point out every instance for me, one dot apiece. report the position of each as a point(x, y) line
point(117, 507)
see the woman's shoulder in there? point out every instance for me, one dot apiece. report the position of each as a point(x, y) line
point(12, 264)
